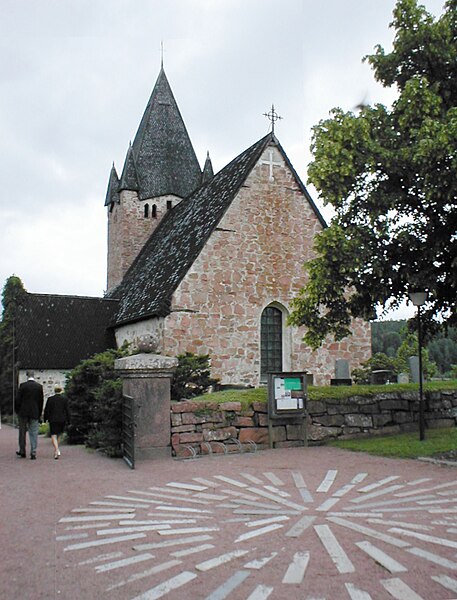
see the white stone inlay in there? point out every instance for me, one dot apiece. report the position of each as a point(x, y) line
point(167, 586)
point(430, 489)
point(261, 592)
point(231, 481)
point(425, 537)
point(434, 558)
point(189, 540)
point(327, 504)
point(228, 586)
point(187, 530)
point(193, 550)
point(447, 582)
point(381, 492)
point(220, 560)
point(399, 524)
point(96, 518)
point(252, 478)
point(296, 570)
point(335, 551)
point(356, 593)
point(152, 571)
point(125, 562)
point(373, 486)
point(328, 480)
point(101, 557)
point(273, 478)
point(382, 558)
point(252, 534)
point(260, 562)
point(117, 530)
point(187, 486)
point(71, 536)
point(114, 540)
point(400, 590)
point(300, 526)
point(260, 522)
point(370, 532)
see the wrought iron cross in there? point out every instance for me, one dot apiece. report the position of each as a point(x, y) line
point(273, 116)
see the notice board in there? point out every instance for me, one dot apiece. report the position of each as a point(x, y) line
point(287, 400)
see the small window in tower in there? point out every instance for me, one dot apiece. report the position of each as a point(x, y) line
point(146, 211)
point(154, 211)
point(169, 204)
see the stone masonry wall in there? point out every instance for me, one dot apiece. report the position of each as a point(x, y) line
point(252, 260)
point(129, 229)
point(202, 425)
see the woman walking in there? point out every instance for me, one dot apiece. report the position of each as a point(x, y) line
point(57, 413)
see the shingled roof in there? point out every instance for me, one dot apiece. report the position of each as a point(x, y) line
point(148, 285)
point(57, 332)
point(164, 158)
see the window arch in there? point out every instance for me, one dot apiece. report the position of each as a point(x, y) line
point(271, 341)
point(146, 211)
point(154, 211)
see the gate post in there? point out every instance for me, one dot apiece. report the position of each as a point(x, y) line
point(146, 378)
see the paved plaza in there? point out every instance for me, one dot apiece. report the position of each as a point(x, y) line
point(301, 523)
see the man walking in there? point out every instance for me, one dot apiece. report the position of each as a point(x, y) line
point(29, 406)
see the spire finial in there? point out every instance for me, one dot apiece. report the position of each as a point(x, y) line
point(273, 116)
point(161, 54)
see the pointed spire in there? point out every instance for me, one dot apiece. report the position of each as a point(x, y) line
point(208, 172)
point(112, 193)
point(164, 157)
point(129, 178)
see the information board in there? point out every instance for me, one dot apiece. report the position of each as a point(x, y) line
point(286, 394)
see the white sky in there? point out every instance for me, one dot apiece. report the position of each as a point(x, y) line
point(76, 75)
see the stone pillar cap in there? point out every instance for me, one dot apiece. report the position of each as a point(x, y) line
point(146, 362)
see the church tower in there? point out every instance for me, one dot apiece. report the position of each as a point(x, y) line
point(160, 169)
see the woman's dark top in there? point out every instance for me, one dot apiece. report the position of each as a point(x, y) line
point(56, 409)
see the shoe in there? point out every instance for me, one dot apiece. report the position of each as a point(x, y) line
point(33, 457)
point(58, 452)
point(21, 454)
point(56, 456)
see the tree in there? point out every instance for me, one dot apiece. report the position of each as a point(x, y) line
point(13, 290)
point(192, 376)
point(389, 173)
point(94, 392)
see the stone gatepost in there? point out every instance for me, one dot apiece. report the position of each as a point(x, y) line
point(146, 378)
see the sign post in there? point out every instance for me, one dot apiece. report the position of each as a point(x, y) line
point(287, 398)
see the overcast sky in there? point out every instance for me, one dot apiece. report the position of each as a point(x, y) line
point(76, 75)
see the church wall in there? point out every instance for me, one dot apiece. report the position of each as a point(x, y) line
point(49, 379)
point(254, 258)
point(129, 229)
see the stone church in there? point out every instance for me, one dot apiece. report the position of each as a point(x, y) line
point(200, 262)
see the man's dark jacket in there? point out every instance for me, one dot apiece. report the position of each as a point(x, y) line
point(29, 402)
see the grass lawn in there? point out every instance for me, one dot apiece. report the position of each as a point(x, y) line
point(405, 445)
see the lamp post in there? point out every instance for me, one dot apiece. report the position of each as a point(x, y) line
point(419, 299)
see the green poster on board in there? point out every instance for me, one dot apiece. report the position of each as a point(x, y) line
point(292, 383)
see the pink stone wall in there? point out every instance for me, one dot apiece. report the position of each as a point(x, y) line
point(129, 229)
point(254, 258)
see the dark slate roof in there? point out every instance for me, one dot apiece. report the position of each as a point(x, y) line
point(57, 332)
point(208, 172)
point(148, 285)
point(112, 193)
point(129, 178)
point(164, 157)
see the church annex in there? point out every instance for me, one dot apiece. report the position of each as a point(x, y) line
point(208, 263)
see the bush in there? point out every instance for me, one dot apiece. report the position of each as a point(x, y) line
point(94, 393)
point(192, 376)
point(377, 361)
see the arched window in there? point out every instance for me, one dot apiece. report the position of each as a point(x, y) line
point(270, 342)
point(169, 204)
point(154, 211)
point(146, 211)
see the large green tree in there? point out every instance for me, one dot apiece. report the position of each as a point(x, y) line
point(390, 174)
point(13, 290)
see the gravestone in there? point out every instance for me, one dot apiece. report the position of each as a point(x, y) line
point(341, 373)
point(403, 378)
point(414, 368)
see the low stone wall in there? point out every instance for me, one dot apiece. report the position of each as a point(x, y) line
point(203, 426)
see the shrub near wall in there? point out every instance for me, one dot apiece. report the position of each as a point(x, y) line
point(205, 425)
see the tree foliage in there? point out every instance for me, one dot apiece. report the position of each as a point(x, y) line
point(94, 392)
point(192, 376)
point(389, 173)
point(13, 290)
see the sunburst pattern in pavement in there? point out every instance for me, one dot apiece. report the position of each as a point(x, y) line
point(269, 535)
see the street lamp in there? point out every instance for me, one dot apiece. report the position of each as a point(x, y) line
point(419, 299)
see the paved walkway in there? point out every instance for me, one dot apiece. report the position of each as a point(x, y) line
point(315, 523)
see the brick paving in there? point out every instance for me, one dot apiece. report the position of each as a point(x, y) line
point(308, 523)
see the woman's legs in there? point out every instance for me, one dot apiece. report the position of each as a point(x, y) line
point(55, 443)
